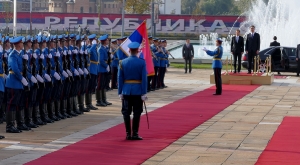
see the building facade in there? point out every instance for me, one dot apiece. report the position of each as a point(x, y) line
point(85, 6)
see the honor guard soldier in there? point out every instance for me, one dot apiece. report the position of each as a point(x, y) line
point(103, 70)
point(15, 84)
point(2, 84)
point(115, 64)
point(92, 51)
point(217, 64)
point(164, 63)
point(132, 89)
point(29, 96)
point(156, 62)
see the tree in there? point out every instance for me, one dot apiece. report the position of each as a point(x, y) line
point(189, 6)
point(245, 5)
point(139, 6)
point(219, 7)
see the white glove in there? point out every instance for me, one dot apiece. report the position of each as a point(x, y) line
point(4, 76)
point(5, 54)
point(82, 43)
point(94, 42)
point(33, 79)
point(42, 56)
point(49, 56)
point(34, 55)
point(121, 97)
point(47, 77)
point(111, 56)
point(76, 72)
point(75, 51)
point(24, 81)
point(65, 52)
point(86, 52)
point(107, 68)
point(69, 73)
point(81, 52)
point(204, 49)
point(39, 78)
point(1, 48)
point(80, 71)
point(57, 54)
point(86, 71)
point(25, 57)
point(69, 52)
point(56, 76)
point(65, 74)
point(144, 97)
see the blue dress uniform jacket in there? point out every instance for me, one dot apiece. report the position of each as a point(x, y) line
point(29, 74)
point(92, 50)
point(121, 55)
point(103, 57)
point(156, 62)
point(165, 61)
point(15, 67)
point(115, 62)
point(2, 81)
point(132, 76)
point(217, 54)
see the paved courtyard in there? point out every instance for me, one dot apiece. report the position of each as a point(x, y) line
point(237, 135)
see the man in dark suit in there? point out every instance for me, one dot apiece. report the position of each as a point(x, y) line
point(298, 59)
point(237, 49)
point(275, 43)
point(188, 54)
point(252, 46)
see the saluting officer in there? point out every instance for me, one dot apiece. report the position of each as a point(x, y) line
point(132, 89)
point(15, 83)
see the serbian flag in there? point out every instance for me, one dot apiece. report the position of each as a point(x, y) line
point(140, 35)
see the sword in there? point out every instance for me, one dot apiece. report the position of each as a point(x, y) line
point(146, 114)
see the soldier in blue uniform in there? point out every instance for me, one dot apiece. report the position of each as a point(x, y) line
point(164, 63)
point(15, 83)
point(93, 60)
point(30, 96)
point(115, 64)
point(103, 70)
point(2, 84)
point(156, 61)
point(132, 89)
point(217, 64)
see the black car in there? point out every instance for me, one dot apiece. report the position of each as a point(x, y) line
point(283, 58)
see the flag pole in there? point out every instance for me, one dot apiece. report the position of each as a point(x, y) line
point(15, 18)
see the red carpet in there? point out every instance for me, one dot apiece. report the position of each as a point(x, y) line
point(284, 147)
point(167, 124)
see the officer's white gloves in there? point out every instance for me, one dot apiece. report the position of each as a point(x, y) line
point(57, 54)
point(86, 52)
point(34, 55)
point(80, 71)
point(76, 73)
point(82, 43)
point(75, 51)
point(144, 97)
point(42, 56)
point(111, 56)
point(33, 79)
point(4, 76)
point(65, 74)
point(69, 52)
point(81, 52)
point(204, 49)
point(47, 77)
point(65, 52)
point(56, 76)
point(25, 57)
point(69, 72)
point(121, 97)
point(5, 54)
point(24, 81)
point(107, 68)
point(39, 78)
point(49, 56)
point(94, 42)
point(86, 71)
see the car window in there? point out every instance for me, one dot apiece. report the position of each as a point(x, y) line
point(290, 52)
point(261, 53)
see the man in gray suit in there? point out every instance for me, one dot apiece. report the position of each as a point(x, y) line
point(298, 59)
point(188, 54)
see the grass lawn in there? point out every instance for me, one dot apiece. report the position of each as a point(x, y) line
point(194, 66)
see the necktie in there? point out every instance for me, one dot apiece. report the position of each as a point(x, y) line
point(252, 35)
point(237, 39)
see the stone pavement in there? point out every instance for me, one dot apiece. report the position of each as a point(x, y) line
point(237, 135)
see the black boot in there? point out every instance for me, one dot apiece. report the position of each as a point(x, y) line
point(44, 113)
point(57, 110)
point(20, 121)
point(70, 107)
point(4, 111)
point(51, 112)
point(10, 122)
point(104, 98)
point(135, 128)
point(127, 127)
point(28, 118)
point(75, 106)
point(89, 102)
point(99, 98)
point(2, 114)
point(63, 105)
point(2, 137)
point(81, 104)
point(37, 117)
